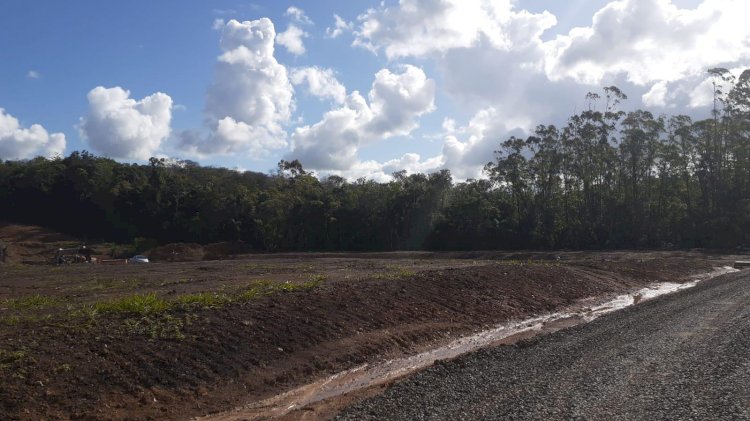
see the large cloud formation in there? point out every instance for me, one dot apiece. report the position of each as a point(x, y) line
point(251, 97)
point(396, 100)
point(121, 127)
point(646, 40)
point(17, 142)
point(652, 40)
point(320, 82)
point(494, 60)
point(424, 27)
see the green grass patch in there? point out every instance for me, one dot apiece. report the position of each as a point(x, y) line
point(63, 368)
point(135, 304)
point(10, 321)
point(160, 326)
point(264, 288)
point(29, 303)
point(316, 280)
point(15, 360)
point(8, 357)
point(204, 299)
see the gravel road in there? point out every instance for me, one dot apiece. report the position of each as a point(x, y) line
point(682, 356)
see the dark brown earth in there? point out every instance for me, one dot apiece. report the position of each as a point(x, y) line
point(65, 354)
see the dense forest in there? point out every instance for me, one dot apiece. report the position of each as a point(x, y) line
point(607, 179)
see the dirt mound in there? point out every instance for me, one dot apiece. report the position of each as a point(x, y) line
point(32, 244)
point(219, 251)
point(177, 252)
point(192, 252)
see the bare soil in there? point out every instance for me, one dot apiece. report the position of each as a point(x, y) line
point(62, 356)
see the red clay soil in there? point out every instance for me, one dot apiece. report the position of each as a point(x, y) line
point(68, 365)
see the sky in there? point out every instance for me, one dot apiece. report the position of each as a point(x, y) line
point(358, 89)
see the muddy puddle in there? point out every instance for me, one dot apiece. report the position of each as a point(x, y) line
point(369, 375)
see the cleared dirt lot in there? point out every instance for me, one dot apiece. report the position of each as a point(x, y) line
point(177, 340)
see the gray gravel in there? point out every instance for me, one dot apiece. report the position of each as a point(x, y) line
point(682, 356)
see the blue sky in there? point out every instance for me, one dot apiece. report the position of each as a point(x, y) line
point(440, 82)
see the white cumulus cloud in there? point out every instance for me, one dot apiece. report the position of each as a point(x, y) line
point(339, 27)
point(17, 142)
point(396, 100)
point(652, 41)
point(320, 82)
point(121, 127)
point(656, 96)
point(298, 15)
point(495, 60)
point(422, 27)
point(251, 97)
point(292, 40)
point(382, 171)
point(465, 151)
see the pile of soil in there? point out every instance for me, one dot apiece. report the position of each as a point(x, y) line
point(32, 244)
point(177, 252)
point(192, 252)
point(224, 250)
point(227, 355)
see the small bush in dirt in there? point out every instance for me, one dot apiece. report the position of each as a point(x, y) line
point(135, 304)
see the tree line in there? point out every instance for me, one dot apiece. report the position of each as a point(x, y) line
point(606, 179)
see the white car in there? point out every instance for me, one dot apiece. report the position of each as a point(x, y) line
point(138, 258)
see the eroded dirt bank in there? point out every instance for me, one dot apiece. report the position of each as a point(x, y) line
point(213, 336)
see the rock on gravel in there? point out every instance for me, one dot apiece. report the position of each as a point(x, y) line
point(682, 356)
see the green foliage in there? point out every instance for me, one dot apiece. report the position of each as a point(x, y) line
point(604, 179)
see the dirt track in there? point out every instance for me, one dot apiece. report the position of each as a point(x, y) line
point(60, 359)
point(683, 356)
